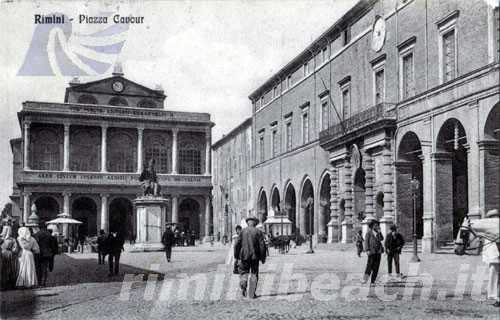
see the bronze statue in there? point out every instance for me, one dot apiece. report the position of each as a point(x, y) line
point(149, 180)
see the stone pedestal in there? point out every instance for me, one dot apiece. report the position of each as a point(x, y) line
point(428, 239)
point(385, 224)
point(347, 229)
point(333, 230)
point(151, 219)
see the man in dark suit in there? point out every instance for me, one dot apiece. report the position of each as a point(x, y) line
point(114, 245)
point(47, 252)
point(101, 247)
point(168, 240)
point(374, 249)
point(249, 249)
point(55, 249)
point(393, 245)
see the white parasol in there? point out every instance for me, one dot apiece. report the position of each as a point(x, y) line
point(63, 218)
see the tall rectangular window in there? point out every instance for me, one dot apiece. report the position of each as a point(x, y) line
point(408, 76)
point(289, 136)
point(288, 82)
point(346, 103)
point(346, 35)
point(325, 115)
point(305, 128)
point(261, 148)
point(275, 92)
point(275, 143)
point(449, 56)
point(379, 86)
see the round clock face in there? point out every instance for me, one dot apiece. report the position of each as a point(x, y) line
point(118, 86)
point(378, 34)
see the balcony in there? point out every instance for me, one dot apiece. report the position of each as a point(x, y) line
point(109, 179)
point(375, 118)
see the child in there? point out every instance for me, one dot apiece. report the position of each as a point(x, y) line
point(359, 242)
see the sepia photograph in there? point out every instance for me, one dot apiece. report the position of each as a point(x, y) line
point(250, 159)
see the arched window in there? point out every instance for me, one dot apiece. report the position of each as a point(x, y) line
point(157, 148)
point(84, 151)
point(121, 156)
point(146, 103)
point(190, 161)
point(87, 99)
point(46, 149)
point(118, 101)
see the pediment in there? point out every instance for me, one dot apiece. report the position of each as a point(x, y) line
point(117, 85)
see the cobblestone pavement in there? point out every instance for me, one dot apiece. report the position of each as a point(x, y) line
point(196, 284)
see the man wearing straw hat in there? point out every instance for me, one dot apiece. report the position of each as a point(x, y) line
point(250, 249)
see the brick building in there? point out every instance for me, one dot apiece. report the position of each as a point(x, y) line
point(84, 156)
point(232, 179)
point(393, 90)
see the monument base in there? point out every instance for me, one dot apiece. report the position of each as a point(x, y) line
point(151, 219)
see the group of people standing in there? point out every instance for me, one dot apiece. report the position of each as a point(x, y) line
point(27, 259)
point(372, 245)
point(110, 245)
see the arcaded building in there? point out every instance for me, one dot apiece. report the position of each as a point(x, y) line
point(394, 90)
point(233, 189)
point(84, 156)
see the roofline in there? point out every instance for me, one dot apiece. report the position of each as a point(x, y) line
point(359, 7)
point(232, 133)
point(158, 92)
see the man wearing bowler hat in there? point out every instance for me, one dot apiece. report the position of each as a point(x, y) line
point(250, 249)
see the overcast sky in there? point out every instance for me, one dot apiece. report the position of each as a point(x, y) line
point(207, 55)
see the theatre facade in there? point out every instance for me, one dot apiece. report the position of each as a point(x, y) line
point(84, 157)
point(392, 91)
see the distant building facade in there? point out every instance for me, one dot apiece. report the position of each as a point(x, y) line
point(233, 193)
point(84, 156)
point(394, 90)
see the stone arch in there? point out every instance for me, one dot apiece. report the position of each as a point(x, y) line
point(46, 147)
point(191, 152)
point(291, 205)
point(489, 148)
point(157, 146)
point(275, 199)
point(359, 196)
point(87, 99)
point(451, 179)
point(307, 207)
point(118, 102)
point(84, 209)
point(324, 206)
point(189, 216)
point(262, 206)
point(408, 166)
point(47, 208)
point(121, 216)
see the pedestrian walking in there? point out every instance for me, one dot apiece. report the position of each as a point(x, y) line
point(26, 277)
point(359, 242)
point(250, 249)
point(46, 246)
point(101, 247)
point(8, 265)
point(55, 249)
point(374, 249)
point(168, 240)
point(114, 245)
point(394, 243)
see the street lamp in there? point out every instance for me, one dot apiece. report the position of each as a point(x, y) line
point(309, 206)
point(415, 185)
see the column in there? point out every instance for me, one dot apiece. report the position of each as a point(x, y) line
point(140, 132)
point(26, 157)
point(104, 212)
point(347, 223)
point(429, 214)
point(66, 209)
point(302, 222)
point(104, 130)
point(175, 208)
point(174, 150)
point(66, 147)
point(369, 209)
point(333, 224)
point(443, 197)
point(208, 150)
point(26, 206)
point(388, 218)
point(207, 218)
point(488, 177)
point(472, 181)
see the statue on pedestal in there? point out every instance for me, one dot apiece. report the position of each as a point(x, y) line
point(149, 180)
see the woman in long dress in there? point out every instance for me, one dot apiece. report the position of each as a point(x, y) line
point(27, 271)
point(9, 265)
